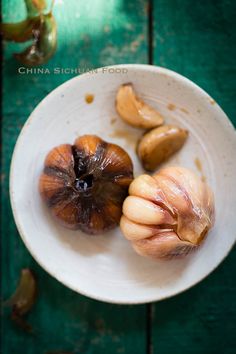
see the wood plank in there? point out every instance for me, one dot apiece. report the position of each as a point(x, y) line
point(91, 34)
point(197, 39)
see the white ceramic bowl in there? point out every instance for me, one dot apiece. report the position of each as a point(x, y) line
point(106, 267)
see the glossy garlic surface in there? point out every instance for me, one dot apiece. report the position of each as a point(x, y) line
point(85, 184)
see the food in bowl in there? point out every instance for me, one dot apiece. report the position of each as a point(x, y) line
point(160, 141)
point(168, 214)
point(157, 145)
point(134, 111)
point(85, 184)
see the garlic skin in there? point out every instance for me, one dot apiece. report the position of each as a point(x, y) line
point(168, 214)
point(85, 184)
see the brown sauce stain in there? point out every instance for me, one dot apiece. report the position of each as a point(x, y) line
point(171, 107)
point(130, 139)
point(89, 98)
point(113, 120)
point(212, 101)
point(198, 164)
point(184, 110)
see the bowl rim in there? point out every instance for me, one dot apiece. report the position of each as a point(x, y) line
point(141, 67)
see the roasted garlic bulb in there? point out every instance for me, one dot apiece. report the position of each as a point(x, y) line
point(168, 214)
point(85, 184)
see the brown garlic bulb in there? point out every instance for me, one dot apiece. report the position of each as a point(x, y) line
point(85, 184)
point(168, 214)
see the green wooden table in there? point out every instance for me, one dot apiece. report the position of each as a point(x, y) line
point(195, 38)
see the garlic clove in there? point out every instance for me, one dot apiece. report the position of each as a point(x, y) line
point(58, 172)
point(123, 181)
point(60, 157)
point(165, 244)
point(159, 144)
point(185, 178)
point(50, 185)
point(188, 184)
point(116, 160)
point(176, 196)
point(67, 213)
point(134, 231)
point(191, 199)
point(96, 222)
point(143, 211)
point(134, 111)
point(88, 144)
point(146, 187)
point(113, 211)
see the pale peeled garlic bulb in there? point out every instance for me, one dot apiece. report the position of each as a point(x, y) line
point(167, 214)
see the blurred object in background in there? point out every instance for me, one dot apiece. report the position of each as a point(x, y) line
point(39, 26)
point(23, 299)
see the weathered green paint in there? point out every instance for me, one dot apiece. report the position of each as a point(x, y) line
point(198, 40)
